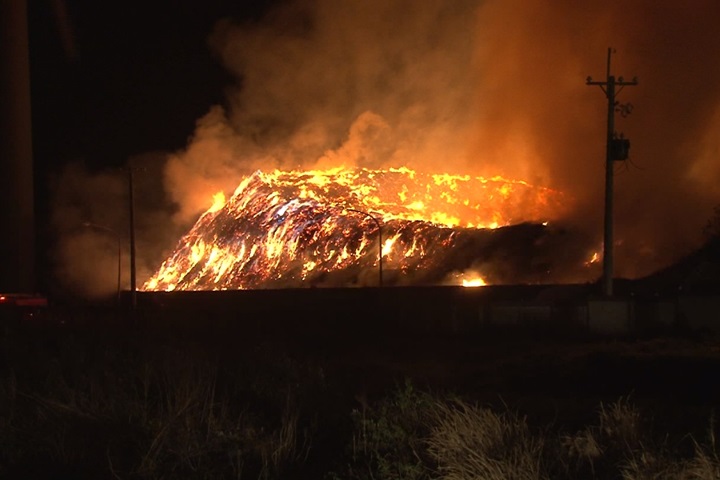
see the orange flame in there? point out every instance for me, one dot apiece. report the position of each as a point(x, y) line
point(218, 202)
point(594, 258)
point(474, 282)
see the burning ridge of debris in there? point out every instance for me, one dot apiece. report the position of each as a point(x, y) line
point(290, 229)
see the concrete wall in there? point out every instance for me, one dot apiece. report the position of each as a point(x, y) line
point(441, 311)
point(699, 312)
point(611, 317)
point(601, 316)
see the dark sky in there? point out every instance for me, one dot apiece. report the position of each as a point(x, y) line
point(115, 79)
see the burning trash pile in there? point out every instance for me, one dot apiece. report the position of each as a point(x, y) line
point(344, 226)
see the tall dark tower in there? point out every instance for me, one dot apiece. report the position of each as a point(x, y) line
point(17, 237)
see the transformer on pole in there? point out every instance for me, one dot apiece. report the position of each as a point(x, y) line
point(616, 149)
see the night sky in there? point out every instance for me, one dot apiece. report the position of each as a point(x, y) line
point(114, 80)
point(111, 81)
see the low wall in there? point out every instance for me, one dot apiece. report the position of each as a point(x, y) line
point(604, 316)
point(432, 310)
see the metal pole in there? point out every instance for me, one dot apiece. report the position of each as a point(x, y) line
point(380, 255)
point(119, 271)
point(133, 285)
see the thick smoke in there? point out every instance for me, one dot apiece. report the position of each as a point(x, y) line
point(330, 83)
point(91, 227)
point(87, 210)
point(493, 87)
point(535, 115)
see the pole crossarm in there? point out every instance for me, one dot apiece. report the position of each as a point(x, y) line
point(619, 82)
point(611, 87)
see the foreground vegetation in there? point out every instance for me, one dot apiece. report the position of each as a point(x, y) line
point(413, 435)
point(100, 402)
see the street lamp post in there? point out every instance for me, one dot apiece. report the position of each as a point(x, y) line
point(119, 259)
point(380, 245)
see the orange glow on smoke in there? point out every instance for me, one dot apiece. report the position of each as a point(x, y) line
point(291, 227)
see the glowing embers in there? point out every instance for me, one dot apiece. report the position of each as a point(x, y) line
point(403, 194)
point(595, 257)
point(304, 228)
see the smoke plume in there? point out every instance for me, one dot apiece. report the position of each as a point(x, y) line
point(486, 87)
point(91, 227)
point(536, 115)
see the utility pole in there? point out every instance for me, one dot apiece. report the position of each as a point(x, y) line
point(131, 208)
point(616, 149)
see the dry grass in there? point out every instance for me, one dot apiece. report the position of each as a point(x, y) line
point(150, 414)
point(454, 439)
point(388, 440)
point(703, 465)
point(183, 423)
point(620, 422)
point(469, 441)
point(99, 408)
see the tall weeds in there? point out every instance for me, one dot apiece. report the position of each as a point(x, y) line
point(388, 440)
point(452, 439)
point(469, 441)
point(150, 414)
point(104, 408)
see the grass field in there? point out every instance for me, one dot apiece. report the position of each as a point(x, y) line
point(91, 394)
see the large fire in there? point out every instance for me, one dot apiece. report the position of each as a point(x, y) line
point(336, 227)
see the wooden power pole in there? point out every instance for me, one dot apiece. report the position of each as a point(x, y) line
point(616, 149)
